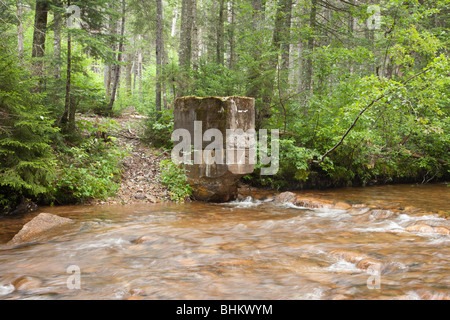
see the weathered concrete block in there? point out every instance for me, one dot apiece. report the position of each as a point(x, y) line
point(217, 180)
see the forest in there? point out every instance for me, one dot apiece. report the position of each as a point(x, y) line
point(359, 90)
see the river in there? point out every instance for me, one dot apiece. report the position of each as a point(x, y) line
point(252, 248)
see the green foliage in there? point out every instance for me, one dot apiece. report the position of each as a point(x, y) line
point(158, 131)
point(26, 159)
point(91, 170)
point(174, 177)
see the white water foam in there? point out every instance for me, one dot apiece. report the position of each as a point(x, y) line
point(407, 218)
point(317, 294)
point(244, 203)
point(105, 243)
point(343, 266)
point(385, 226)
point(290, 205)
point(4, 290)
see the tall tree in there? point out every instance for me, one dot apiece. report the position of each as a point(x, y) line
point(117, 66)
point(185, 51)
point(57, 25)
point(20, 29)
point(159, 54)
point(231, 32)
point(308, 76)
point(220, 45)
point(65, 119)
point(39, 35)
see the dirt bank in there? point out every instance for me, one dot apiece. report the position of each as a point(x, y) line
point(140, 179)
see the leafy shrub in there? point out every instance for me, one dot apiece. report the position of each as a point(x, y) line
point(174, 177)
point(91, 170)
point(158, 131)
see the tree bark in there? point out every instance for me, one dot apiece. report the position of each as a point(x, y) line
point(220, 47)
point(57, 22)
point(195, 50)
point(286, 32)
point(128, 71)
point(159, 55)
point(309, 61)
point(232, 28)
point(20, 29)
point(185, 52)
point(119, 59)
point(39, 35)
point(65, 122)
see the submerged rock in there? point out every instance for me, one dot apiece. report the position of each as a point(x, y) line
point(308, 202)
point(424, 228)
point(37, 226)
point(146, 239)
point(26, 283)
point(286, 197)
point(350, 256)
point(365, 264)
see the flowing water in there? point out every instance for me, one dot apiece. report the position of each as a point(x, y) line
point(248, 249)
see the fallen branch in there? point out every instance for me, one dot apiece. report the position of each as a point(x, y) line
point(364, 110)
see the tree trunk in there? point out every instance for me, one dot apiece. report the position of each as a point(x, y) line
point(159, 54)
point(128, 71)
point(256, 89)
point(220, 47)
point(39, 34)
point(185, 52)
point(285, 45)
point(139, 70)
point(57, 22)
point(194, 36)
point(309, 61)
point(281, 38)
point(109, 74)
point(64, 122)
point(173, 28)
point(116, 70)
point(20, 29)
point(232, 28)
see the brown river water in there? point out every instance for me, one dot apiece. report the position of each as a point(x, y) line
point(247, 249)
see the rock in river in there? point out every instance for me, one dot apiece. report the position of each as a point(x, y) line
point(37, 226)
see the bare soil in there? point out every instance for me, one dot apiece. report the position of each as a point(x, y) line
point(140, 178)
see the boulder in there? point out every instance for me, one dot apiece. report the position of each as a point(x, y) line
point(441, 230)
point(365, 264)
point(26, 283)
point(342, 205)
point(285, 197)
point(313, 203)
point(37, 226)
point(422, 228)
point(381, 214)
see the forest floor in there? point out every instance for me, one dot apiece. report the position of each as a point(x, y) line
point(140, 179)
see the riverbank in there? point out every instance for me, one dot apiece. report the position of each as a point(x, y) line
point(140, 182)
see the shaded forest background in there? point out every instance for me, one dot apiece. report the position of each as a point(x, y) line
point(358, 89)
